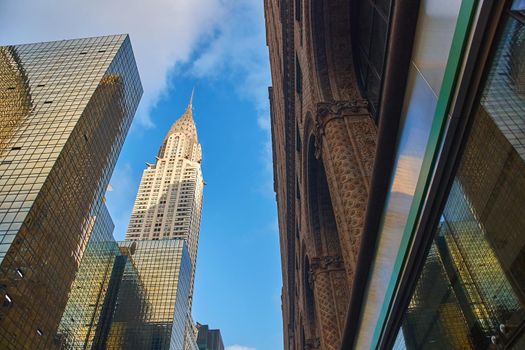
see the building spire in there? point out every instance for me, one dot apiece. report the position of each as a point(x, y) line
point(189, 109)
point(184, 125)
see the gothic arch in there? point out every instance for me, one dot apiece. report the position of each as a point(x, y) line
point(322, 225)
point(326, 271)
point(309, 318)
point(329, 33)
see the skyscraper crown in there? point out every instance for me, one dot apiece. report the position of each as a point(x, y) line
point(186, 129)
point(185, 124)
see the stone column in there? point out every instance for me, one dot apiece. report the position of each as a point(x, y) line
point(346, 142)
point(328, 277)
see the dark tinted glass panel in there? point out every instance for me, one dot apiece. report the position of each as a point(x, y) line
point(383, 6)
point(365, 25)
point(372, 18)
point(377, 51)
point(64, 113)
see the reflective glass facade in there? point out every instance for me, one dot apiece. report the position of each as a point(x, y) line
point(159, 276)
point(432, 45)
point(471, 294)
point(65, 109)
point(84, 310)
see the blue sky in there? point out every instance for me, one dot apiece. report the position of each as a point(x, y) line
point(218, 47)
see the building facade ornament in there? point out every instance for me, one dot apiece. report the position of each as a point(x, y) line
point(324, 264)
point(335, 187)
point(328, 111)
point(312, 343)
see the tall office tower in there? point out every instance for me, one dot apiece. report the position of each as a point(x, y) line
point(168, 206)
point(65, 108)
point(130, 294)
point(169, 200)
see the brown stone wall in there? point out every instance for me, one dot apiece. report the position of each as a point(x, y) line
point(323, 146)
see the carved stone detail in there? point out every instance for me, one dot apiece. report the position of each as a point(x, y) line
point(326, 263)
point(329, 287)
point(328, 111)
point(328, 280)
point(334, 188)
point(313, 343)
point(349, 139)
point(357, 106)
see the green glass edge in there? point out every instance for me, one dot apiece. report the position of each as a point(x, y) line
point(430, 158)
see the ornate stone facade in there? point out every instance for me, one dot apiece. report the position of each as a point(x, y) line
point(324, 141)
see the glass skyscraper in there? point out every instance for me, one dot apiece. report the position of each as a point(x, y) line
point(65, 109)
point(135, 294)
point(153, 315)
point(470, 294)
point(85, 312)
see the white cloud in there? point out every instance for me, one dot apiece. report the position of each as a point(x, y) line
point(238, 50)
point(226, 39)
point(163, 32)
point(238, 347)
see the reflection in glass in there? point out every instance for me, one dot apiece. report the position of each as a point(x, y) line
point(432, 44)
point(470, 294)
point(65, 108)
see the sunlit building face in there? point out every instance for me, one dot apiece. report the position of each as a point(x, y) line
point(169, 199)
point(65, 109)
point(168, 209)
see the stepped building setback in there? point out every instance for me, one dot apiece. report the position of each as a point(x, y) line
point(169, 200)
point(209, 339)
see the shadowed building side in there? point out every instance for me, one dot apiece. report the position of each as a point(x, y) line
point(209, 339)
point(324, 112)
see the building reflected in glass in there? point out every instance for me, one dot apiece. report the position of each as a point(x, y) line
point(128, 295)
point(65, 109)
point(152, 299)
point(471, 294)
point(84, 311)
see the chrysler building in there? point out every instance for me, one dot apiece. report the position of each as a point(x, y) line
point(169, 199)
